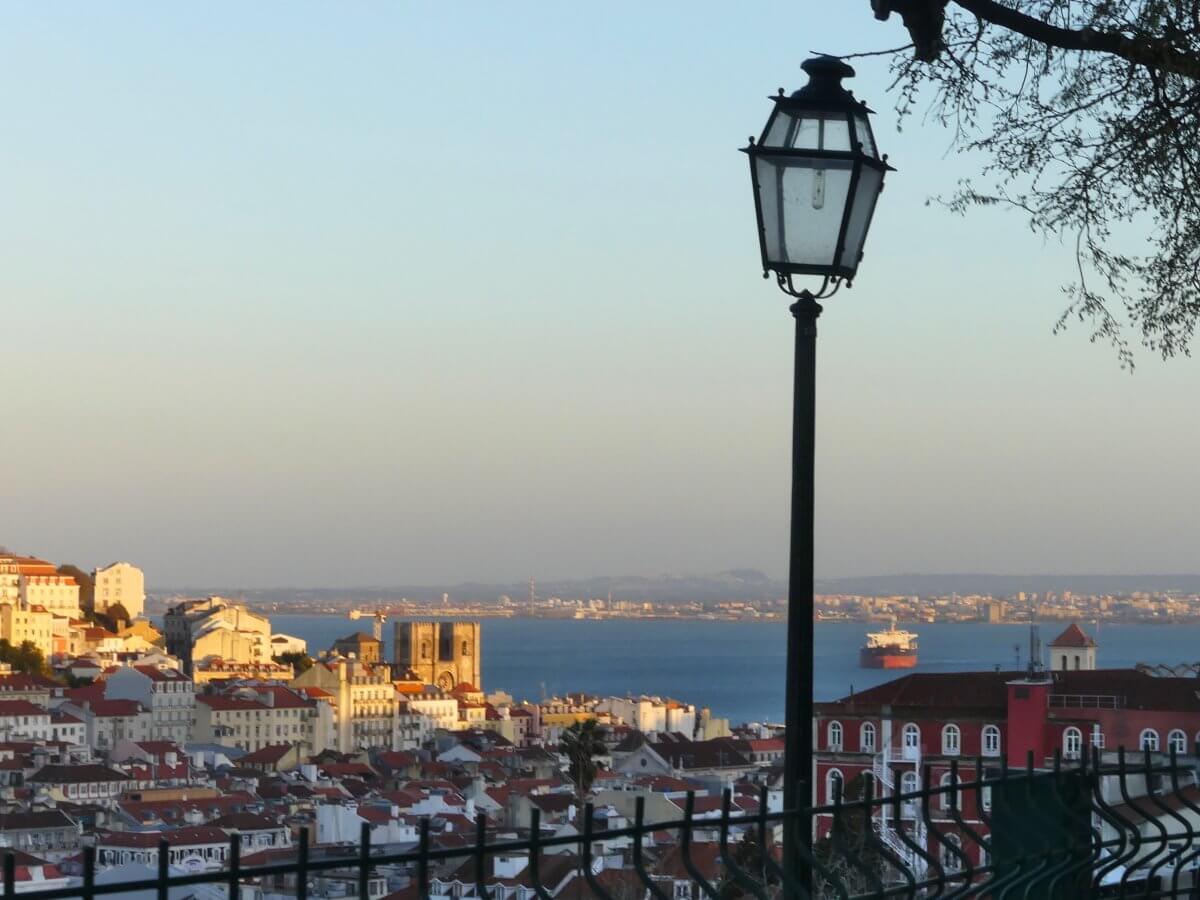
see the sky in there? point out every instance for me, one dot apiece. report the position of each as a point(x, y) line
point(380, 293)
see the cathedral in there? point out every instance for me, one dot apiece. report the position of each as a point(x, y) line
point(443, 653)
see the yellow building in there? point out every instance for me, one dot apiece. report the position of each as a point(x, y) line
point(57, 593)
point(34, 624)
point(120, 583)
point(230, 645)
point(217, 669)
point(365, 701)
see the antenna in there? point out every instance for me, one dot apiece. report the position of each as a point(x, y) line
point(1035, 651)
point(1017, 652)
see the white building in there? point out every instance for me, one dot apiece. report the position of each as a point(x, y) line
point(441, 709)
point(251, 718)
point(166, 692)
point(652, 715)
point(22, 720)
point(285, 643)
point(122, 583)
point(108, 721)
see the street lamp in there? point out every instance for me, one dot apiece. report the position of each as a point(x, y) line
point(817, 173)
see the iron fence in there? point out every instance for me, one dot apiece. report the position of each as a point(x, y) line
point(1106, 825)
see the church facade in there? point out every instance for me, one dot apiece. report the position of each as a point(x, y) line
point(445, 654)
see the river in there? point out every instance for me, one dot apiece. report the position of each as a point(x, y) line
point(736, 668)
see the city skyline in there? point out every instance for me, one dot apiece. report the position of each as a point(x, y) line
point(252, 351)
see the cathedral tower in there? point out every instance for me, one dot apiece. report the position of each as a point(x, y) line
point(442, 653)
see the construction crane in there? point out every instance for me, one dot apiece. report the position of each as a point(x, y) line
point(380, 616)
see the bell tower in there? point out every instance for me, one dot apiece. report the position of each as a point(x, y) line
point(443, 653)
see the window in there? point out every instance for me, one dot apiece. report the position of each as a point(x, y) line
point(991, 740)
point(951, 853)
point(833, 785)
point(1072, 743)
point(909, 784)
point(1177, 741)
point(912, 739)
point(949, 784)
point(1149, 739)
point(835, 735)
point(951, 740)
point(866, 737)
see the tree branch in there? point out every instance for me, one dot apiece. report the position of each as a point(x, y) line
point(1154, 54)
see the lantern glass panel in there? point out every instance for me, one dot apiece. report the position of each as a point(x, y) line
point(802, 200)
point(862, 134)
point(811, 130)
point(866, 192)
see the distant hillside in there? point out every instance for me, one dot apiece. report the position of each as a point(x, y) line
point(1000, 585)
point(736, 584)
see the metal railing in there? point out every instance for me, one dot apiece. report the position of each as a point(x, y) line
point(1103, 826)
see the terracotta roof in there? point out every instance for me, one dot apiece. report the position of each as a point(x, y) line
point(268, 755)
point(194, 834)
point(23, 681)
point(55, 774)
point(21, 821)
point(156, 674)
point(984, 693)
point(223, 702)
point(341, 770)
point(1073, 636)
point(20, 708)
point(358, 638)
point(106, 708)
point(766, 744)
point(244, 821)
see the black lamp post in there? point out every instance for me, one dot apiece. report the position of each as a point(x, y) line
point(817, 174)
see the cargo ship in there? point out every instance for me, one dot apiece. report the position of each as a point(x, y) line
point(891, 649)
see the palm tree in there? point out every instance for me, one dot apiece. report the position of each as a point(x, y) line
point(581, 743)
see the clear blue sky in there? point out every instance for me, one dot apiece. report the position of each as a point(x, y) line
point(348, 294)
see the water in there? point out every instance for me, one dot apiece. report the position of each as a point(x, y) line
point(737, 668)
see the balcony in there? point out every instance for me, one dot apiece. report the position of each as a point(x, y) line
point(1089, 829)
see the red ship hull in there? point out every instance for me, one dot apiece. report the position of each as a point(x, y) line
point(876, 658)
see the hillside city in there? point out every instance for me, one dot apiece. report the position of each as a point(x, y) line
point(216, 731)
point(115, 735)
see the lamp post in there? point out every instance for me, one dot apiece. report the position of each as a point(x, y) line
point(817, 173)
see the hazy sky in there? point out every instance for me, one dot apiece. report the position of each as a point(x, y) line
point(350, 294)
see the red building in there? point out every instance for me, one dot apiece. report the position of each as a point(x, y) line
point(897, 729)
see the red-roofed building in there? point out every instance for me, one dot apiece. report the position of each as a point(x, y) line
point(253, 717)
point(167, 693)
point(922, 720)
point(22, 720)
point(194, 848)
point(107, 722)
point(33, 874)
point(272, 758)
